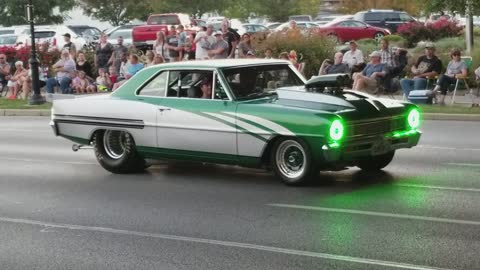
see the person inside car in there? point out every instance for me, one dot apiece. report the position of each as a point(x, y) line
point(206, 88)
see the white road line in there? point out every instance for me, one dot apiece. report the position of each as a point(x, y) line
point(463, 164)
point(220, 243)
point(378, 214)
point(438, 187)
point(447, 148)
point(48, 161)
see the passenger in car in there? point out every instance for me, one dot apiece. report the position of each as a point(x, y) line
point(206, 88)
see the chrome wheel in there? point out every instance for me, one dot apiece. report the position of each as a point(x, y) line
point(378, 36)
point(114, 142)
point(291, 158)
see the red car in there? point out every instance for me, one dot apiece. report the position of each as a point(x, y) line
point(346, 30)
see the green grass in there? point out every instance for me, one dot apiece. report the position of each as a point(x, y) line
point(456, 109)
point(22, 104)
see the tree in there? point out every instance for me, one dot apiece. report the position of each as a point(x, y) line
point(116, 12)
point(12, 12)
point(452, 6)
point(194, 8)
point(353, 6)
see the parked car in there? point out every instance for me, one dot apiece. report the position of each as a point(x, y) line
point(217, 19)
point(53, 35)
point(346, 30)
point(252, 28)
point(17, 29)
point(120, 27)
point(300, 18)
point(273, 25)
point(326, 19)
point(89, 33)
point(301, 25)
point(257, 113)
point(12, 41)
point(144, 35)
point(125, 33)
point(389, 19)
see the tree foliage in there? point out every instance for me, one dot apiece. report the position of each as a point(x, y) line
point(352, 6)
point(451, 6)
point(116, 12)
point(13, 12)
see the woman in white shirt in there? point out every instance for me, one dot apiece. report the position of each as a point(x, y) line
point(160, 46)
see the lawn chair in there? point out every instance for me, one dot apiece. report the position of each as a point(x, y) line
point(468, 61)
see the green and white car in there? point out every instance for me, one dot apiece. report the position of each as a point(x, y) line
point(259, 114)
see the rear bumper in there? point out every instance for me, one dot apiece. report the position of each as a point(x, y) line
point(353, 150)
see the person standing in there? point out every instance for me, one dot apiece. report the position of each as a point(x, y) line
point(231, 40)
point(182, 42)
point(103, 53)
point(219, 49)
point(116, 58)
point(84, 65)
point(69, 45)
point(354, 58)
point(160, 45)
point(245, 46)
point(204, 40)
point(4, 69)
point(172, 45)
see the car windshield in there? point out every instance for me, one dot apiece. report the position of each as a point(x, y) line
point(7, 40)
point(260, 81)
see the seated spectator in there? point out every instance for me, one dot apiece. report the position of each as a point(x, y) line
point(27, 83)
point(427, 66)
point(123, 67)
point(354, 58)
point(334, 67)
point(367, 79)
point(112, 74)
point(158, 60)
point(245, 46)
point(251, 55)
point(149, 58)
point(16, 80)
point(4, 70)
point(132, 67)
point(62, 68)
point(103, 82)
point(455, 67)
point(387, 53)
point(80, 83)
point(84, 65)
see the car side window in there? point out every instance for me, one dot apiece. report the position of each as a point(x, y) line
point(190, 84)
point(392, 17)
point(155, 87)
point(405, 17)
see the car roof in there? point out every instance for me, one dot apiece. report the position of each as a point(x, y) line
point(222, 63)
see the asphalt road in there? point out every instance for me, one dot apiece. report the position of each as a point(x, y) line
point(60, 210)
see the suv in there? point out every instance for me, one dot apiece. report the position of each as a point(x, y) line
point(389, 19)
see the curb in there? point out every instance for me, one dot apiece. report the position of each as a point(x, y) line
point(426, 116)
point(20, 112)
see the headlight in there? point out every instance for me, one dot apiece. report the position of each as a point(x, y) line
point(337, 130)
point(413, 119)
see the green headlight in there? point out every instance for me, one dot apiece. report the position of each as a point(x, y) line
point(414, 118)
point(337, 130)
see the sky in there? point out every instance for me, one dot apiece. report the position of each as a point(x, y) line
point(78, 18)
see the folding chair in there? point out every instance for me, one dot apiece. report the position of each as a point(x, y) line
point(468, 61)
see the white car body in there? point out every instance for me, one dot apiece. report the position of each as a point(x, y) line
point(301, 25)
point(125, 33)
point(55, 36)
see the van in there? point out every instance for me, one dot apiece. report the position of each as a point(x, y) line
point(384, 18)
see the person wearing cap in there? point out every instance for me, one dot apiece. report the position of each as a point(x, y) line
point(69, 45)
point(367, 79)
point(219, 49)
point(16, 81)
point(427, 66)
point(354, 58)
point(63, 68)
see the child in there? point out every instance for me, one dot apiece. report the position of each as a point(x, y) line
point(102, 82)
point(113, 74)
point(80, 83)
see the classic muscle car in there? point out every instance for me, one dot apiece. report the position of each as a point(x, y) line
point(254, 113)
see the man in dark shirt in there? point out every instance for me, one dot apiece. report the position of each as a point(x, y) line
point(69, 45)
point(172, 41)
point(230, 38)
point(427, 66)
point(334, 68)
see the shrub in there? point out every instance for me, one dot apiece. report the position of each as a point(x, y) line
point(396, 41)
point(415, 31)
point(312, 49)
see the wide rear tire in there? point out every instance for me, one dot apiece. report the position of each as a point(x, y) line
point(375, 163)
point(292, 161)
point(116, 152)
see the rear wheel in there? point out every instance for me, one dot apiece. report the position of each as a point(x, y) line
point(376, 163)
point(292, 161)
point(115, 151)
point(378, 36)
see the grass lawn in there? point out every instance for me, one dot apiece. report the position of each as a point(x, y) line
point(22, 104)
point(455, 109)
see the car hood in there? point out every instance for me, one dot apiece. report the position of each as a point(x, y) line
point(350, 105)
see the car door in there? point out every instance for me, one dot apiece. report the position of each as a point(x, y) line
point(192, 127)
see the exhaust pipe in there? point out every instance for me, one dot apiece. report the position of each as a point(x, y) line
point(77, 147)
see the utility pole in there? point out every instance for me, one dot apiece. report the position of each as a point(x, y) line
point(469, 26)
point(36, 98)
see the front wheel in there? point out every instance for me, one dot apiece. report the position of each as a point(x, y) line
point(376, 163)
point(292, 161)
point(116, 152)
point(378, 36)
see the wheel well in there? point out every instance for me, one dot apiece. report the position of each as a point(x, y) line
point(268, 149)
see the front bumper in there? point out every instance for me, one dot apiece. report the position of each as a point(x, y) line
point(354, 149)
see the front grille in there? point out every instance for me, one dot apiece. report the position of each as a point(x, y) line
point(376, 126)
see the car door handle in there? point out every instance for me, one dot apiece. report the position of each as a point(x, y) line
point(164, 109)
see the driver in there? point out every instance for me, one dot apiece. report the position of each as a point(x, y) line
point(206, 88)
